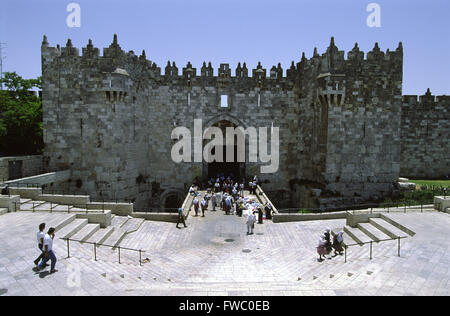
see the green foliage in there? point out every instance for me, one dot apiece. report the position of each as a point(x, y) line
point(20, 116)
point(422, 195)
point(431, 183)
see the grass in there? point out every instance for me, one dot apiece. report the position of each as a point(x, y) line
point(442, 183)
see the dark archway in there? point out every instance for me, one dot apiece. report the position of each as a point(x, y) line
point(173, 201)
point(234, 169)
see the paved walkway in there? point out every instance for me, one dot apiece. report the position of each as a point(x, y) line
point(214, 256)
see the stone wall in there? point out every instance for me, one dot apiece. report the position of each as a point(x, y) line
point(351, 137)
point(29, 166)
point(425, 146)
point(109, 119)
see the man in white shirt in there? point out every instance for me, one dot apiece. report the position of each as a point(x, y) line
point(204, 206)
point(48, 251)
point(196, 206)
point(40, 239)
point(251, 219)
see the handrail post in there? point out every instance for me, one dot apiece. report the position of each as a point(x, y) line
point(371, 250)
point(95, 251)
point(33, 207)
point(68, 248)
point(345, 251)
point(399, 246)
point(119, 255)
point(140, 257)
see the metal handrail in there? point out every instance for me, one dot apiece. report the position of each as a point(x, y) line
point(356, 207)
point(68, 240)
point(346, 246)
point(83, 208)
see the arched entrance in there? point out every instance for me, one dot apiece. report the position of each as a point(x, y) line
point(171, 199)
point(234, 169)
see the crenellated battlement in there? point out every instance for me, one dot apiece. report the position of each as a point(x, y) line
point(115, 57)
point(427, 100)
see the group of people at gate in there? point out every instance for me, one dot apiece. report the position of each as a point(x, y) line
point(229, 197)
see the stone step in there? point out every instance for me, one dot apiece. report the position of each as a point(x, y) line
point(86, 232)
point(47, 207)
point(60, 208)
point(115, 238)
point(72, 228)
point(64, 222)
point(119, 221)
point(101, 235)
point(3, 211)
point(387, 228)
point(92, 267)
point(373, 232)
point(398, 225)
point(23, 201)
point(132, 224)
point(356, 234)
point(30, 205)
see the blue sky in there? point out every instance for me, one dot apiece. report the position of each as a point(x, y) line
point(232, 31)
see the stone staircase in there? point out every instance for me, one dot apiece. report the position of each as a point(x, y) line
point(380, 231)
point(75, 228)
point(166, 272)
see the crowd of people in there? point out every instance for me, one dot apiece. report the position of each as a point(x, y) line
point(327, 243)
point(225, 194)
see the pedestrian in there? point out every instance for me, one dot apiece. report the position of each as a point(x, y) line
point(321, 248)
point(260, 216)
point(235, 193)
point(241, 186)
point(181, 218)
point(338, 243)
point(224, 197)
point(328, 244)
point(40, 240)
point(268, 209)
point(196, 206)
point(204, 206)
point(251, 219)
point(192, 190)
point(5, 190)
point(217, 187)
point(213, 201)
point(48, 251)
point(228, 204)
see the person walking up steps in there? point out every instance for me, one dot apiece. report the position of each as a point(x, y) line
point(48, 250)
point(40, 240)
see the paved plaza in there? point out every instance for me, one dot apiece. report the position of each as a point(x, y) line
point(214, 256)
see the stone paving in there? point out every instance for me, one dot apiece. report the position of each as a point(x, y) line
point(214, 256)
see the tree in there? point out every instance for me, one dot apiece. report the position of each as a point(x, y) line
point(20, 116)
